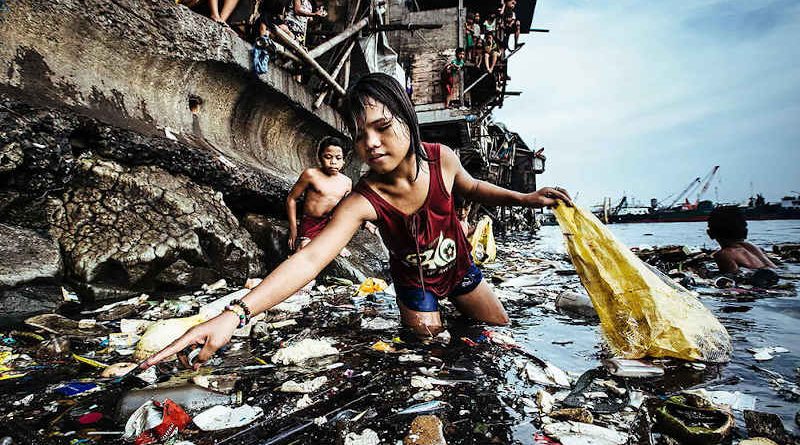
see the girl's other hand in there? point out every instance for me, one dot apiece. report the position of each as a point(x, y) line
point(549, 197)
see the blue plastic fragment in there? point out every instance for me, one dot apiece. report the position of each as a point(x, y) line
point(73, 388)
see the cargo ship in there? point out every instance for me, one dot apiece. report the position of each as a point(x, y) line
point(757, 209)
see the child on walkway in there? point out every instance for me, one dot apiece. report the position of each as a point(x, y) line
point(324, 187)
point(408, 193)
point(728, 227)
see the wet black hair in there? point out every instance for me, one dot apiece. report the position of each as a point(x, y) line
point(327, 141)
point(459, 50)
point(727, 223)
point(387, 90)
point(460, 202)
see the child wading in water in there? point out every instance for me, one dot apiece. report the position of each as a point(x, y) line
point(728, 227)
point(407, 193)
point(324, 188)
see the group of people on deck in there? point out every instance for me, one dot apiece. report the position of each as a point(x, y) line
point(486, 46)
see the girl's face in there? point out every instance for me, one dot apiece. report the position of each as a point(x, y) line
point(383, 141)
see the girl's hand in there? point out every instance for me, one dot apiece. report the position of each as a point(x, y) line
point(292, 239)
point(211, 335)
point(548, 197)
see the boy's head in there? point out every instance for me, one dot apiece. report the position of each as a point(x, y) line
point(331, 152)
point(477, 16)
point(460, 53)
point(727, 223)
point(462, 206)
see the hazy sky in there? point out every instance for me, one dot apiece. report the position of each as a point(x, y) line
point(642, 97)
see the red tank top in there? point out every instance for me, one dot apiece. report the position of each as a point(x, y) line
point(429, 241)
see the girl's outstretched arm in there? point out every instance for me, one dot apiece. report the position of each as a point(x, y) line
point(284, 281)
point(481, 191)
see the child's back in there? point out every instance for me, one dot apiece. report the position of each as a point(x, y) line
point(728, 227)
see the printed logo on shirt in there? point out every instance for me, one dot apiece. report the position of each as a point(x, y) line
point(439, 256)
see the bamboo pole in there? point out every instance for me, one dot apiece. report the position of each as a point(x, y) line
point(294, 46)
point(338, 38)
point(345, 58)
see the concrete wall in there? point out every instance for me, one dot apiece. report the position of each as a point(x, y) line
point(136, 63)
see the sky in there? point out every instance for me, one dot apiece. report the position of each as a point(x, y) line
point(640, 98)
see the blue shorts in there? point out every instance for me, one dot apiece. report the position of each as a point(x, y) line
point(414, 299)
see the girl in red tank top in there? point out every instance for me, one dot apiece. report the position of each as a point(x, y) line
point(408, 193)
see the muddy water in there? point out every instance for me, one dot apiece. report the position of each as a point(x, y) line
point(751, 322)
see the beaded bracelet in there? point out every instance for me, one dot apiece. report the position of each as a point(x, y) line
point(242, 305)
point(239, 313)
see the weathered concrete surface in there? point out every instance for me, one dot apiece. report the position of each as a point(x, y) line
point(138, 64)
point(120, 226)
point(26, 256)
point(136, 133)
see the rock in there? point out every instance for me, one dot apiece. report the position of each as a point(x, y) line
point(425, 430)
point(181, 274)
point(26, 257)
point(119, 226)
point(582, 415)
point(19, 303)
point(271, 235)
point(766, 425)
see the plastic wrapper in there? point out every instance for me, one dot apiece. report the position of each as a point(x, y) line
point(484, 249)
point(642, 312)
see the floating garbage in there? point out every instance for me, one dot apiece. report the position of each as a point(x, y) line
point(425, 407)
point(378, 324)
point(156, 422)
point(222, 417)
point(193, 398)
point(160, 334)
point(118, 369)
point(548, 374)
point(576, 433)
point(576, 302)
point(642, 312)
point(306, 387)
point(764, 354)
point(694, 419)
point(632, 368)
point(60, 325)
point(371, 286)
point(735, 400)
point(367, 437)
point(303, 350)
point(425, 430)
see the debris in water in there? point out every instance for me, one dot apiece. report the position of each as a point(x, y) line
point(303, 350)
point(425, 430)
point(306, 387)
point(222, 417)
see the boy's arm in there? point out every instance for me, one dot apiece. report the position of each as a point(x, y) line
point(481, 191)
point(291, 204)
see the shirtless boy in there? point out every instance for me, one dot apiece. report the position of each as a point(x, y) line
point(324, 187)
point(728, 226)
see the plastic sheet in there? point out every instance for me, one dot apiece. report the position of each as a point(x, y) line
point(642, 312)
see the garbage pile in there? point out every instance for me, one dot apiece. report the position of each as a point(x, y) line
point(332, 365)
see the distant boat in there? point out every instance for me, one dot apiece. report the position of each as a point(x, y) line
point(757, 209)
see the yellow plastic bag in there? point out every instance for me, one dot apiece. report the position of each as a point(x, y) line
point(484, 249)
point(642, 313)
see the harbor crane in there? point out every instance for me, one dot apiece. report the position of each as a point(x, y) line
point(685, 192)
point(707, 183)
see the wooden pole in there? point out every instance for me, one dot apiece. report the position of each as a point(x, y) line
point(294, 46)
point(345, 58)
point(339, 38)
